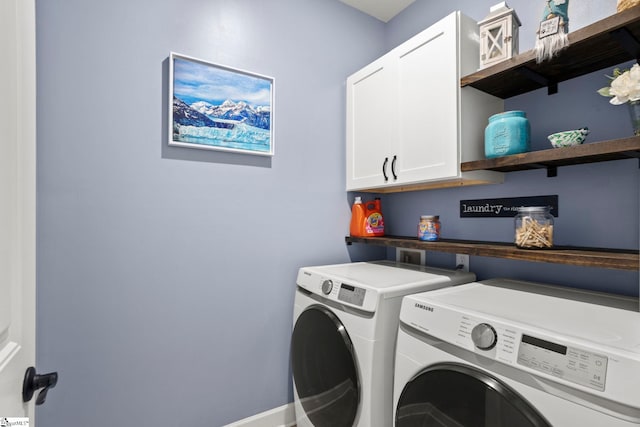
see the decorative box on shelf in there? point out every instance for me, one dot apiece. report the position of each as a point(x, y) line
point(498, 35)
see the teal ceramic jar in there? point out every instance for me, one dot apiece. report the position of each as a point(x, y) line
point(507, 133)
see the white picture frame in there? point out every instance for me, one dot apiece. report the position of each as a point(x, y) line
point(217, 107)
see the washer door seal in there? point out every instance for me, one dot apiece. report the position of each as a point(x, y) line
point(325, 372)
point(457, 395)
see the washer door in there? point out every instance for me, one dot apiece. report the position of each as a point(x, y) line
point(455, 395)
point(324, 367)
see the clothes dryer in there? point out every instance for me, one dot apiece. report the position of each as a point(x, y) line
point(509, 353)
point(342, 346)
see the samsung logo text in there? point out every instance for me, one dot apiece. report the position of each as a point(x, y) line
point(423, 307)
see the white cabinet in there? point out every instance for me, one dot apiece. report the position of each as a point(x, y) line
point(409, 124)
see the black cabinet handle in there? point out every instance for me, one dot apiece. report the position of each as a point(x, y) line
point(393, 167)
point(384, 169)
point(33, 382)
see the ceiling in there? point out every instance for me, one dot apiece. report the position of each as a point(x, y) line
point(384, 10)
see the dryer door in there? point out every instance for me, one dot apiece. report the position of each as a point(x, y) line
point(325, 372)
point(456, 395)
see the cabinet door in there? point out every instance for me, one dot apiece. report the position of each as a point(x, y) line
point(369, 125)
point(427, 104)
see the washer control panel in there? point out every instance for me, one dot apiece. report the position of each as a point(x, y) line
point(351, 294)
point(570, 363)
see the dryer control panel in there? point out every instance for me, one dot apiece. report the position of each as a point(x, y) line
point(573, 364)
point(334, 289)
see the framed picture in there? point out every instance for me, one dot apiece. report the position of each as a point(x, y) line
point(216, 107)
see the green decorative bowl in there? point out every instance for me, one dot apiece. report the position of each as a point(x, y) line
point(568, 137)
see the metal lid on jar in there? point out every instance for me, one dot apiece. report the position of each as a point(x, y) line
point(534, 208)
point(506, 114)
point(430, 217)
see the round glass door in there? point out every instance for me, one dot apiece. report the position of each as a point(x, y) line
point(454, 395)
point(324, 368)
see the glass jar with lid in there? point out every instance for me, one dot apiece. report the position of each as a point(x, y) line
point(534, 227)
point(507, 133)
point(429, 228)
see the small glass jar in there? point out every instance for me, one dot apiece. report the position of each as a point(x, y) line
point(429, 228)
point(507, 133)
point(534, 227)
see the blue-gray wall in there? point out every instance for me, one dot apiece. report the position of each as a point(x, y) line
point(166, 275)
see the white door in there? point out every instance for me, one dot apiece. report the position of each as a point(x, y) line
point(370, 125)
point(17, 203)
point(428, 85)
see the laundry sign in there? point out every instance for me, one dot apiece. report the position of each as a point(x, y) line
point(505, 207)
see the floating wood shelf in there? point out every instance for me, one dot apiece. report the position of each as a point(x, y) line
point(616, 149)
point(603, 44)
point(618, 259)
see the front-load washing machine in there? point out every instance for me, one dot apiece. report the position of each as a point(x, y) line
point(508, 353)
point(342, 346)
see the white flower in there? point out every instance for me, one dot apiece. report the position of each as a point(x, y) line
point(624, 87)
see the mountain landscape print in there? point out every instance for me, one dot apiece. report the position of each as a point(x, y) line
point(219, 108)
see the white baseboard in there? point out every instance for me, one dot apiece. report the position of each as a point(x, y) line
point(284, 416)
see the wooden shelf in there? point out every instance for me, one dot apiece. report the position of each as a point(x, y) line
point(603, 44)
point(616, 149)
point(618, 259)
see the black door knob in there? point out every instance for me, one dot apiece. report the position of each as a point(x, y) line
point(33, 382)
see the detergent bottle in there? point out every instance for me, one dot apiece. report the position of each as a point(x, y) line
point(374, 223)
point(358, 218)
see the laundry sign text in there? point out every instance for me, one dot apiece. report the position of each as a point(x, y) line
point(505, 207)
